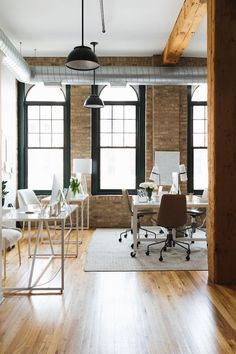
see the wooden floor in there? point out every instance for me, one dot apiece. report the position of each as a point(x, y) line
point(128, 313)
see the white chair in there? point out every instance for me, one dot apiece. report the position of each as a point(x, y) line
point(27, 197)
point(10, 236)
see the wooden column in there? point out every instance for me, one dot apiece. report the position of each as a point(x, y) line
point(222, 140)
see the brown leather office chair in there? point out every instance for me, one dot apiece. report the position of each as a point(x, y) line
point(140, 215)
point(172, 215)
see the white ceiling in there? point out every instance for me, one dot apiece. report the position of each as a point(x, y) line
point(133, 27)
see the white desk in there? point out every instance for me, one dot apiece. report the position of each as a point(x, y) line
point(78, 200)
point(36, 216)
point(195, 203)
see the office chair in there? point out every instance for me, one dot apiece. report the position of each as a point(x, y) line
point(10, 237)
point(195, 213)
point(140, 215)
point(172, 215)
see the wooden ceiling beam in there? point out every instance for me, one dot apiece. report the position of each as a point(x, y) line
point(190, 16)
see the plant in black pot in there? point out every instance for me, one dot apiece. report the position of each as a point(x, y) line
point(4, 192)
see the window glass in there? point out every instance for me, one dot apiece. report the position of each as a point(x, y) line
point(42, 164)
point(105, 125)
point(200, 177)
point(200, 93)
point(105, 112)
point(105, 139)
point(113, 93)
point(118, 112)
point(116, 141)
point(118, 126)
point(130, 112)
point(40, 92)
point(129, 126)
point(45, 122)
point(33, 112)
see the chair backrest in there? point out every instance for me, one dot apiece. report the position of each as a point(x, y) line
point(126, 196)
point(173, 211)
point(26, 197)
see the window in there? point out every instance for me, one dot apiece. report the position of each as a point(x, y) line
point(198, 138)
point(46, 131)
point(118, 141)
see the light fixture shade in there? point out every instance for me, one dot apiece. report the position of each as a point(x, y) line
point(82, 166)
point(82, 58)
point(93, 101)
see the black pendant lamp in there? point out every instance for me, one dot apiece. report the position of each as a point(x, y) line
point(93, 101)
point(82, 58)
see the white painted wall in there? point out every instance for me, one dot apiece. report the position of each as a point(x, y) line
point(9, 133)
point(8, 143)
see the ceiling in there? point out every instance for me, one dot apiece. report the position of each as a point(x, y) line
point(133, 27)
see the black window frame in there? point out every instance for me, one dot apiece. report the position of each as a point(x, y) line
point(191, 148)
point(140, 144)
point(23, 136)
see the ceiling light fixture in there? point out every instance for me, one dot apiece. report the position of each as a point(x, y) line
point(93, 101)
point(82, 58)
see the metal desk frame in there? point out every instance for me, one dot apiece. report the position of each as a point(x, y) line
point(23, 215)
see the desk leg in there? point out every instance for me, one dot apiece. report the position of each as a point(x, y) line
point(82, 219)
point(62, 254)
point(135, 231)
point(77, 230)
point(88, 213)
point(29, 238)
point(40, 228)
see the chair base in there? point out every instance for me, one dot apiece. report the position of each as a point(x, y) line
point(125, 233)
point(169, 242)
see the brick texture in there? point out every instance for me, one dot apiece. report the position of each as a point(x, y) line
point(166, 129)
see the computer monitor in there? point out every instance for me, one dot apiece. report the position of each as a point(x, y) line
point(56, 190)
point(175, 183)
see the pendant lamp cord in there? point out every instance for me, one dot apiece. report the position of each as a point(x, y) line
point(82, 22)
point(93, 86)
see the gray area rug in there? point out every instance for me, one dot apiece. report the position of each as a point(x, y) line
point(106, 254)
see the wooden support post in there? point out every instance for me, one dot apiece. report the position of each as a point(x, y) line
point(222, 140)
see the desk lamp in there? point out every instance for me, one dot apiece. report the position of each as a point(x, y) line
point(82, 167)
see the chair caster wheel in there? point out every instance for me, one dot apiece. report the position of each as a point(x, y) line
point(192, 241)
point(161, 259)
point(147, 253)
point(132, 245)
point(120, 239)
point(187, 258)
point(133, 254)
point(146, 235)
point(125, 235)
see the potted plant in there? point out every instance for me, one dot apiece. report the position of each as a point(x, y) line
point(74, 185)
point(4, 192)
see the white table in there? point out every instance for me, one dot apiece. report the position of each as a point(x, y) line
point(33, 214)
point(78, 200)
point(136, 205)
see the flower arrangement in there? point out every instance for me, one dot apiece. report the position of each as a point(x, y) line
point(149, 188)
point(74, 185)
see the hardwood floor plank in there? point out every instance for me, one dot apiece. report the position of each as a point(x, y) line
point(118, 312)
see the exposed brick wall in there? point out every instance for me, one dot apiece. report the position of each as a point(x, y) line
point(166, 129)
